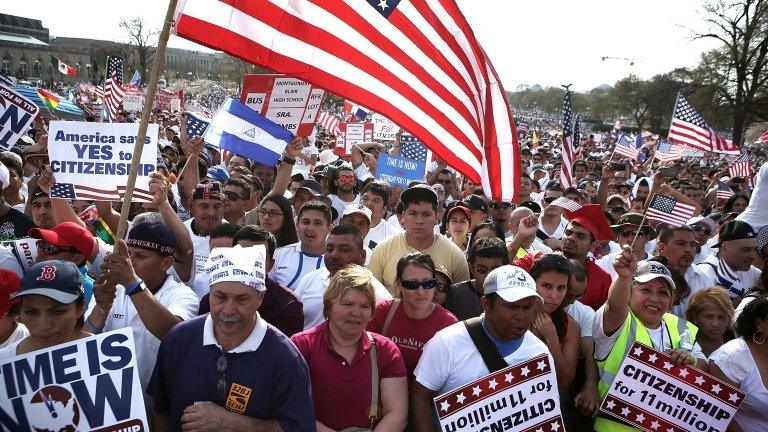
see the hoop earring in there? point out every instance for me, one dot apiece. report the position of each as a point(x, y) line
point(754, 338)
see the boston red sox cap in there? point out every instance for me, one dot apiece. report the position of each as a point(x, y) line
point(55, 279)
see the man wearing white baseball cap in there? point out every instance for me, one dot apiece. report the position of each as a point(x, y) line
point(473, 348)
point(359, 216)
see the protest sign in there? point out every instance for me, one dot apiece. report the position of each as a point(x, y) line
point(133, 102)
point(351, 134)
point(289, 102)
point(92, 160)
point(384, 129)
point(522, 397)
point(16, 116)
point(87, 384)
point(399, 171)
point(651, 393)
point(24, 250)
point(171, 101)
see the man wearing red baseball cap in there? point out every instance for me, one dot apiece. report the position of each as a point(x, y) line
point(67, 241)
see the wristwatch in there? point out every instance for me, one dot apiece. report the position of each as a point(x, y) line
point(135, 288)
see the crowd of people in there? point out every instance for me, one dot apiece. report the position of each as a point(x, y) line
point(312, 296)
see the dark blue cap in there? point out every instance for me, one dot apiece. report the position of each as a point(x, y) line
point(55, 279)
point(152, 236)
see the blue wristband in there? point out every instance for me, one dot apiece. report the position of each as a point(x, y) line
point(130, 290)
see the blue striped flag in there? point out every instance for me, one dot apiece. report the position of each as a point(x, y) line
point(243, 131)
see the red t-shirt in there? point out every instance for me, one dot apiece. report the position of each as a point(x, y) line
point(598, 283)
point(410, 335)
point(342, 392)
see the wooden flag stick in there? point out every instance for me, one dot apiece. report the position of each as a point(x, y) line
point(157, 66)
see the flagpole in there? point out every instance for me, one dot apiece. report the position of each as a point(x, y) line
point(157, 66)
point(639, 230)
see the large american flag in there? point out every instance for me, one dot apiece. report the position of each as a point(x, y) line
point(329, 122)
point(415, 62)
point(667, 151)
point(667, 209)
point(72, 192)
point(740, 167)
point(113, 96)
point(566, 169)
point(412, 148)
point(626, 147)
point(689, 128)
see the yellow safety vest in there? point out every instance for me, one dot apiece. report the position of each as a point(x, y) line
point(632, 330)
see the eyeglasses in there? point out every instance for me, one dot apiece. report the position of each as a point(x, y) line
point(269, 214)
point(221, 383)
point(413, 285)
point(233, 196)
point(500, 205)
point(50, 249)
point(346, 178)
point(699, 228)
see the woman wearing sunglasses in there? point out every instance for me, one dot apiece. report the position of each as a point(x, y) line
point(412, 320)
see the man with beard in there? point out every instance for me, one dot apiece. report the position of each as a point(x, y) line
point(258, 380)
point(343, 247)
point(343, 189)
point(295, 260)
point(500, 213)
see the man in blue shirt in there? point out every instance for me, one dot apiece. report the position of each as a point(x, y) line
point(230, 369)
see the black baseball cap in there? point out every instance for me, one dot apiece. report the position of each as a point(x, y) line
point(56, 279)
point(533, 206)
point(475, 202)
point(419, 193)
point(152, 236)
point(312, 186)
point(735, 230)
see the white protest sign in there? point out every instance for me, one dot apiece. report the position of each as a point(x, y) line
point(384, 129)
point(90, 384)
point(25, 251)
point(651, 393)
point(92, 160)
point(289, 102)
point(16, 115)
point(133, 102)
point(351, 134)
point(522, 397)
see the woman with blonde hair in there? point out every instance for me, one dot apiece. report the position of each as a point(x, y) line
point(711, 311)
point(374, 394)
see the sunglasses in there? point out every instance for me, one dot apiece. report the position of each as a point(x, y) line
point(221, 383)
point(500, 205)
point(699, 228)
point(412, 285)
point(627, 233)
point(346, 178)
point(50, 249)
point(232, 196)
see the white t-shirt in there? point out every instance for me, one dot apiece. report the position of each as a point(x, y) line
point(9, 262)
point(450, 359)
point(307, 151)
point(201, 246)
point(736, 361)
point(559, 231)
point(19, 333)
point(312, 287)
point(291, 264)
point(339, 204)
point(395, 222)
point(660, 338)
point(381, 231)
point(584, 315)
point(174, 296)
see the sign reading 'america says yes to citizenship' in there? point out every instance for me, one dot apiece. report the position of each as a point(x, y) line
point(651, 393)
point(522, 397)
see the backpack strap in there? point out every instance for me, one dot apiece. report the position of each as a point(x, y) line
point(390, 314)
point(491, 357)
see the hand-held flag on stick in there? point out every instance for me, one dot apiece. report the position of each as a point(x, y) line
point(667, 151)
point(415, 62)
point(626, 147)
point(689, 128)
point(724, 191)
point(196, 124)
point(62, 67)
point(566, 168)
point(740, 167)
point(566, 203)
point(667, 209)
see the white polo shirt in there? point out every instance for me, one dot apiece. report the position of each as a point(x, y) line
point(291, 264)
point(178, 298)
point(311, 290)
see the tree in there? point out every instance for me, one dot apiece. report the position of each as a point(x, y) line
point(139, 37)
point(630, 95)
point(738, 70)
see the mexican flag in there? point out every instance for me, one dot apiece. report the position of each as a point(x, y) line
point(64, 68)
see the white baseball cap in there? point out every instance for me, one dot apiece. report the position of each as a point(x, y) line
point(709, 222)
point(358, 208)
point(511, 283)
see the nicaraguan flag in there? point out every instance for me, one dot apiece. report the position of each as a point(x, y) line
point(243, 131)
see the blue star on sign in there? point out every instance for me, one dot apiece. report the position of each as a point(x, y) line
point(384, 7)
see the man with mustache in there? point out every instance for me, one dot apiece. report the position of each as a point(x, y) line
point(248, 375)
point(678, 245)
point(207, 210)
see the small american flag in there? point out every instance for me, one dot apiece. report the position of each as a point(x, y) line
point(72, 192)
point(740, 167)
point(689, 128)
point(196, 124)
point(724, 191)
point(667, 151)
point(626, 147)
point(566, 203)
point(113, 96)
point(412, 148)
point(566, 170)
point(329, 122)
point(667, 209)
